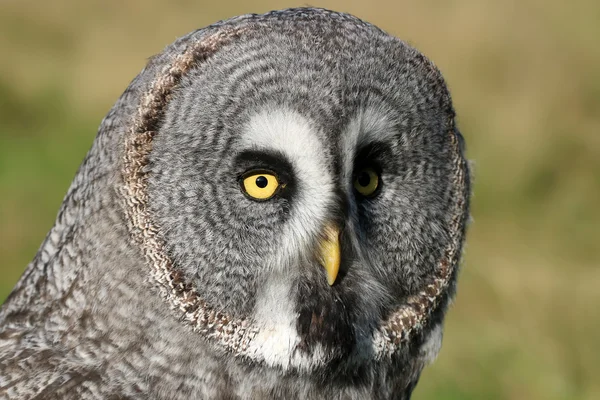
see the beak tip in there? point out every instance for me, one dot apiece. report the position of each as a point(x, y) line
point(330, 253)
point(332, 268)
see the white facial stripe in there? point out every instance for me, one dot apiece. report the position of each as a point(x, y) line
point(292, 135)
point(375, 126)
point(368, 126)
point(289, 133)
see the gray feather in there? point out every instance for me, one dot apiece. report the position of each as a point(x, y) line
point(161, 279)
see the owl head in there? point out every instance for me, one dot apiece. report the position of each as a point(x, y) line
point(298, 188)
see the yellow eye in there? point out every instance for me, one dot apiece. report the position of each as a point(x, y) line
point(366, 181)
point(260, 185)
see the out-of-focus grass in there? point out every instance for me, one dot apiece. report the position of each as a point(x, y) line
point(41, 146)
point(525, 77)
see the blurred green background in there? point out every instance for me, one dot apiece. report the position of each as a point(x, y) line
point(525, 78)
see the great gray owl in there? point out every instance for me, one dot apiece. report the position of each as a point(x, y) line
point(274, 208)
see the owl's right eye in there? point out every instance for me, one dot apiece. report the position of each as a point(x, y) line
point(260, 185)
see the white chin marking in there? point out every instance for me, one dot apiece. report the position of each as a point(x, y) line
point(431, 348)
point(277, 340)
point(276, 320)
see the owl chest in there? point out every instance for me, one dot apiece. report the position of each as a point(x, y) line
point(226, 381)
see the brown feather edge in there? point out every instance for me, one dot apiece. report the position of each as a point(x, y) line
point(413, 316)
point(235, 335)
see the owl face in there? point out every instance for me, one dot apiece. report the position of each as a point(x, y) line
point(302, 180)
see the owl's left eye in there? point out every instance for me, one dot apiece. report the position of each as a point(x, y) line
point(366, 182)
point(260, 185)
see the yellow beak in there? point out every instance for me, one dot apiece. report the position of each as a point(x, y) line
point(329, 251)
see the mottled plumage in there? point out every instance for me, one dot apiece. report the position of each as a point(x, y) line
point(164, 278)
